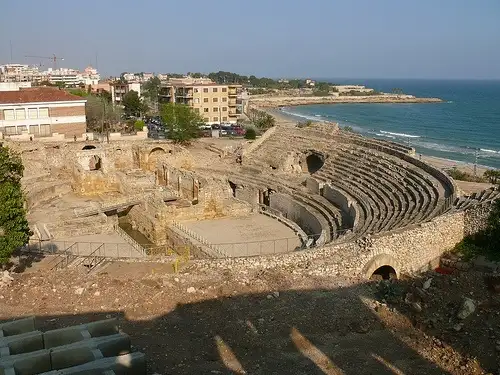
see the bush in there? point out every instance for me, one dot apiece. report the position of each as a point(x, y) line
point(457, 174)
point(139, 124)
point(304, 124)
point(485, 243)
point(250, 133)
point(348, 129)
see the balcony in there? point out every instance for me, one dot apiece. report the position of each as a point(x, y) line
point(232, 103)
point(233, 92)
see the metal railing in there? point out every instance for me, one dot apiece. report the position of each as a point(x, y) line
point(136, 245)
point(211, 249)
point(82, 248)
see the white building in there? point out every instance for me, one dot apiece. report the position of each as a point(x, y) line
point(19, 73)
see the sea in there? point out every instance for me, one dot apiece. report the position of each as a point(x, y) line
point(464, 128)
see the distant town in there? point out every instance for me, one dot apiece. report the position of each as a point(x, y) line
point(29, 106)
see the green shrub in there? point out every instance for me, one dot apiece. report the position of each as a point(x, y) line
point(139, 124)
point(250, 133)
point(457, 174)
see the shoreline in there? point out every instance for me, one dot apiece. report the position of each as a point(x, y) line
point(437, 162)
point(285, 101)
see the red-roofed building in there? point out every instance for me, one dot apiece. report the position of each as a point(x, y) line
point(42, 111)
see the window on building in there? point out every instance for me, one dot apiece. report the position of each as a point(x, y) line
point(32, 113)
point(215, 109)
point(224, 89)
point(206, 119)
point(196, 90)
point(20, 114)
point(205, 100)
point(224, 109)
point(205, 109)
point(224, 118)
point(215, 89)
point(21, 129)
point(43, 112)
point(205, 89)
point(216, 100)
point(196, 100)
point(216, 118)
point(224, 99)
point(10, 130)
point(8, 114)
point(197, 110)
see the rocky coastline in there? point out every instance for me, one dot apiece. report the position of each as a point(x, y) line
point(279, 101)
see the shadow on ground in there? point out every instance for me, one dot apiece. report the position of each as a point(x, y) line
point(295, 332)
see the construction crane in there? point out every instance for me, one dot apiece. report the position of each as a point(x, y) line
point(54, 59)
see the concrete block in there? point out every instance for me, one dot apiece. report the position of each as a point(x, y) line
point(89, 350)
point(26, 363)
point(73, 334)
point(23, 343)
point(17, 327)
point(128, 364)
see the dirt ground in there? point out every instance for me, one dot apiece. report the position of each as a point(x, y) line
point(213, 321)
point(253, 235)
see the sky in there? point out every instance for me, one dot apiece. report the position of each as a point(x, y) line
point(434, 39)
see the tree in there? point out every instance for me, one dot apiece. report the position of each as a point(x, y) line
point(182, 122)
point(261, 119)
point(151, 90)
point(493, 176)
point(101, 115)
point(14, 229)
point(132, 104)
point(250, 133)
point(139, 125)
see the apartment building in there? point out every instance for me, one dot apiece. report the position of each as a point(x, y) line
point(120, 89)
point(42, 111)
point(214, 102)
point(19, 73)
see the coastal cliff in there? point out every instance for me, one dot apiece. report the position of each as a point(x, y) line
point(277, 101)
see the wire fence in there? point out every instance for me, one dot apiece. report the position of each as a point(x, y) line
point(82, 249)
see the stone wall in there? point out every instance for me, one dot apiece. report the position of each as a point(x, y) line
point(296, 212)
point(476, 218)
point(346, 203)
point(249, 194)
point(407, 251)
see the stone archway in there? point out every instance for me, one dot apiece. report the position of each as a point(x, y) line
point(384, 265)
point(153, 156)
point(88, 147)
point(314, 163)
point(95, 163)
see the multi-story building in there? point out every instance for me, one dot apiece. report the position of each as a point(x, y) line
point(71, 77)
point(19, 73)
point(119, 89)
point(42, 111)
point(215, 103)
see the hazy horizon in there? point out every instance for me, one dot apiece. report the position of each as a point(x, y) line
point(359, 39)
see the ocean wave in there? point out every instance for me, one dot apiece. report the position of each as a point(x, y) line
point(307, 117)
point(488, 150)
point(400, 134)
point(384, 135)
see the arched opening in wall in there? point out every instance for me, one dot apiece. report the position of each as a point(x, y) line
point(266, 197)
point(384, 273)
point(153, 156)
point(88, 147)
point(314, 163)
point(95, 163)
point(233, 188)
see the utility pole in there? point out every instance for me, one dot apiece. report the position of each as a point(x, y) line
point(475, 162)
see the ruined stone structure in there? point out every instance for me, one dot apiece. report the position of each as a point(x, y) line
point(354, 204)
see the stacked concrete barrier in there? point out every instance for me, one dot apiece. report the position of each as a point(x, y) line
point(93, 348)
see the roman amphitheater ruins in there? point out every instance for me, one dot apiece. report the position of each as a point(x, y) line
point(316, 196)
